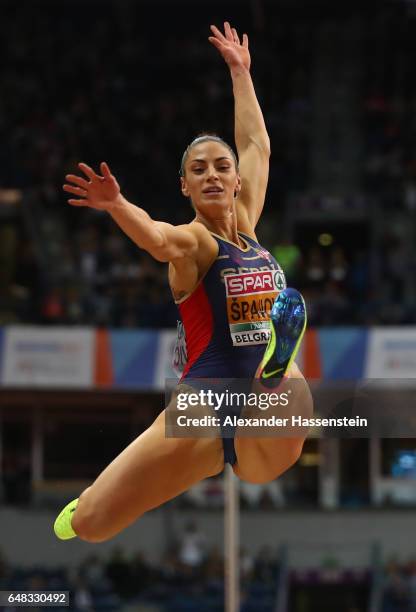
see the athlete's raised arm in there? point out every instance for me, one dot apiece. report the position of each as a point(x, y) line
point(163, 241)
point(251, 138)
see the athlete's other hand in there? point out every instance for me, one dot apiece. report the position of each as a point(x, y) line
point(236, 54)
point(99, 191)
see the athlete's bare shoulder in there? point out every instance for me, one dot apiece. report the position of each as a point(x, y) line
point(199, 229)
point(185, 273)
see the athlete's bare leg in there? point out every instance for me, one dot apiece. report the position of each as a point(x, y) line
point(260, 460)
point(150, 471)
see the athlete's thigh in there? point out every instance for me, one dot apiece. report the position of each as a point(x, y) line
point(149, 472)
point(262, 459)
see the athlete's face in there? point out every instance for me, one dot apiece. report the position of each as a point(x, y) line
point(211, 179)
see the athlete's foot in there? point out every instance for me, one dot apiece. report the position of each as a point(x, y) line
point(287, 326)
point(62, 527)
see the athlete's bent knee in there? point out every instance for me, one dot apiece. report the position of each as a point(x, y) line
point(87, 532)
point(92, 527)
point(90, 522)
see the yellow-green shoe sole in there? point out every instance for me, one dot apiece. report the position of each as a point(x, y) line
point(62, 526)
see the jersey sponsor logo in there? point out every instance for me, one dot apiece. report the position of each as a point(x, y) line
point(245, 269)
point(254, 282)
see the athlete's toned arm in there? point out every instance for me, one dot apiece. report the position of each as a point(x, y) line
point(163, 241)
point(251, 138)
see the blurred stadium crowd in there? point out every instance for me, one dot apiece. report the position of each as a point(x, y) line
point(189, 577)
point(74, 95)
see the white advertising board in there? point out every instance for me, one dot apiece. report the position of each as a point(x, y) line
point(42, 357)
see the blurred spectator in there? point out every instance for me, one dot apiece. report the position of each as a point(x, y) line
point(82, 596)
point(338, 267)
point(411, 573)
point(16, 477)
point(246, 565)
point(141, 573)
point(118, 571)
point(214, 566)
point(93, 572)
point(265, 566)
point(333, 305)
point(264, 496)
point(396, 590)
point(5, 570)
point(192, 547)
point(315, 268)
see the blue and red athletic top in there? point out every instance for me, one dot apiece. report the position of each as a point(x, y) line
point(226, 317)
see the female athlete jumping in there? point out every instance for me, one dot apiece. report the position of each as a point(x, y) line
point(219, 275)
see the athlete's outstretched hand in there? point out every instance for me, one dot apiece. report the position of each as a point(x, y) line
point(234, 53)
point(97, 191)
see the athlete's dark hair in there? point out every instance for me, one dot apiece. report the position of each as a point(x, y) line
point(205, 137)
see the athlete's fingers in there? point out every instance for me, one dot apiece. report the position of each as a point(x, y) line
point(218, 34)
point(245, 41)
point(87, 171)
point(105, 170)
point(78, 202)
point(235, 35)
point(228, 32)
point(77, 180)
point(217, 43)
point(75, 190)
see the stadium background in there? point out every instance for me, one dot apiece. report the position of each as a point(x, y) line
point(88, 322)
